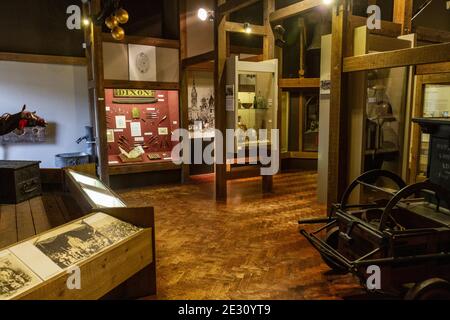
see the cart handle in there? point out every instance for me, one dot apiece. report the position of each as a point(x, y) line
point(366, 179)
point(439, 192)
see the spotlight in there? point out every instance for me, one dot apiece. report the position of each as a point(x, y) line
point(247, 28)
point(328, 2)
point(202, 14)
point(86, 22)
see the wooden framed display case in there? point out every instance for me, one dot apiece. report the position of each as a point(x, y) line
point(252, 101)
point(300, 124)
point(134, 63)
point(377, 117)
point(142, 122)
point(432, 100)
point(122, 269)
point(110, 250)
point(90, 193)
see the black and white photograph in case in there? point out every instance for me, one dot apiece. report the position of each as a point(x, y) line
point(66, 249)
point(15, 277)
point(113, 229)
point(201, 102)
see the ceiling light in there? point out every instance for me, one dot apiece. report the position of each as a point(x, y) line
point(202, 14)
point(86, 22)
point(247, 28)
point(328, 2)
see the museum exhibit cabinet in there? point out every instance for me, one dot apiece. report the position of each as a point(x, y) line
point(201, 121)
point(300, 123)
point(252, 102)
point(140, 121)
point(432, 100)
point(378, 114)
point(112, 246)
point(300, 85)
point(140, 110)
point(91, 193)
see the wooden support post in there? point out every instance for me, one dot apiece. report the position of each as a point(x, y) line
point(403, 10)
point(269, 52)
point(184, 99)
point(337, 151)
point(269, 39)
point(235, 27)
point(434, 53)
point(220, 42)
point(222, 28)
point(97, 90)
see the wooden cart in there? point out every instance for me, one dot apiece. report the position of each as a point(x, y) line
point(405, 233)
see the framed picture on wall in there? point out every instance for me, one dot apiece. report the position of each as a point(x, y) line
point(142, 62)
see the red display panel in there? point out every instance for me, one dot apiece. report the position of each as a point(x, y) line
point(141, 118)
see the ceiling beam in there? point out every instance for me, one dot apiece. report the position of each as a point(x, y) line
point(245, 50)
point(302, 83)
point(294, 9)
point(47, 59)
point(147, 41)
point(231, 6)
point(388, 28)
point(235, 27)
point(432, 35)
point(201, 58)
point(440, 67)
point(399, 58)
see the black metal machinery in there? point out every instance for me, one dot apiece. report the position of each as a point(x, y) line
point(403, 230)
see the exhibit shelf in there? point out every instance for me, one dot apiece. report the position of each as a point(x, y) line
point(115, 170)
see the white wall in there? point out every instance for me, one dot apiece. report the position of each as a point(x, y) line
point(324, 121)
point(199, 34)
point(59, 94)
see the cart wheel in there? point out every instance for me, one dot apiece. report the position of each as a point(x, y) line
point(440, 193)
point(432, 289)
point(332, 239)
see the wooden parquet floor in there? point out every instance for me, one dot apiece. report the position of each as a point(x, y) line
point(248, 248)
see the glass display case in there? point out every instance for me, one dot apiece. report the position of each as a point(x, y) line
point(385, 122)
point(436, 104)
point(253, 107)
point(140, 124)
point(300, 123)
point(310, 126)
point(98, 195)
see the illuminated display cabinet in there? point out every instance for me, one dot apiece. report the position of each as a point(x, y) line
point(252, 100)
point(140, 124)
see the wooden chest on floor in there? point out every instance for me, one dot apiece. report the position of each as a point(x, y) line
point(19, 181)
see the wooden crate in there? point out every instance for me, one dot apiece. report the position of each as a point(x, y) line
point(21, 181)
